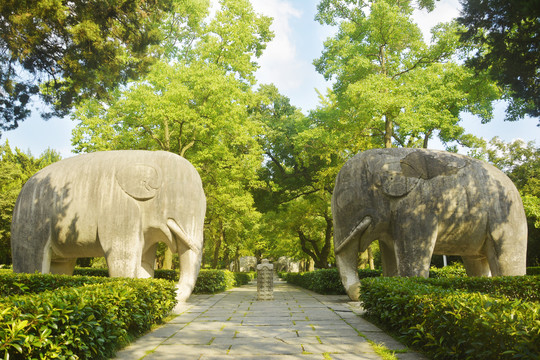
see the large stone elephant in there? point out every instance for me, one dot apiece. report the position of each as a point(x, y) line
point(117, 204)
point(420, 202)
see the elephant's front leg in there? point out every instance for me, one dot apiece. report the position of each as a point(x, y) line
point(123, 247)
point(414, 240)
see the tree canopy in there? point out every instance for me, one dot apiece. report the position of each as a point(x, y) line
point(389, 83)
point(179, 76)
point(506, 35)
point(195, 104)
point(73, 50)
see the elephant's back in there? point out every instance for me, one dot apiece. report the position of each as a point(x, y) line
point(84, 181)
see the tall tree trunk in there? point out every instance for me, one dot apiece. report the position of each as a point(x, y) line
point(167, 259)
point(370, 258)
point(218, 247)
point(388, 131)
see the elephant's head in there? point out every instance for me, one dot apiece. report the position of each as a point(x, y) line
point(365, 195)
point(171, 195)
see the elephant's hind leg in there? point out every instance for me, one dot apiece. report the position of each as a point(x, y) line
point(506, 255)
point(476, 266)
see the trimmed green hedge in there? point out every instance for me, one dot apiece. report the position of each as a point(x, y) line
point(208, 282)
point(88, 322)
point(19, 284)
point(450, 324)
point(324, 281)
point(526, 288)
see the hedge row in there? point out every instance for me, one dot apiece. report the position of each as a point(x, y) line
point(86, 322)
point(450, 324)
point(324, 281)
point(208, 282)
point(526, 288)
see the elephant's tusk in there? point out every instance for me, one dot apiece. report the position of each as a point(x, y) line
point(181, 234)
point(358, 230)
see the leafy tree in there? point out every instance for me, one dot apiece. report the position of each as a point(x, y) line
point(81, 49)
point(16, 167)
point(521, 162)
point(295, 201)
point(195, 105)
point(505, 35)
point(391, 85)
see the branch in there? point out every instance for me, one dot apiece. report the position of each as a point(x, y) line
point(153, 136)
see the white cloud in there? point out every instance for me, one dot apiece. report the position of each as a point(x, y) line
point(280, 63)
point(445, 10)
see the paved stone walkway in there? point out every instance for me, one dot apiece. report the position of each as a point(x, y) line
point(297, 324)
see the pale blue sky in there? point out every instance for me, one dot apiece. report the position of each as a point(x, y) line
point(287, 63)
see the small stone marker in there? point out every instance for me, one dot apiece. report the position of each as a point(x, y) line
point(265, 280)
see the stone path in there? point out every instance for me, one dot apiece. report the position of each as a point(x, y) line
point(297, 324)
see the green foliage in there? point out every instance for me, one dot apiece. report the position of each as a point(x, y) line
point(295, 198)
point(82, 49)
point(505, 38)
point(195, 103)
point(18, 284)
point(84, 322)
point(16, 167)
point(526, 288)
point(213, 281)
point(454, 324)
point(533, 270)
point(324, 281)
point(453, 270)
point(392, 86)
point(93, 272)
point(243, 278)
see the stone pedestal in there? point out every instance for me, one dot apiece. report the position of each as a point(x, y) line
point(265, 281)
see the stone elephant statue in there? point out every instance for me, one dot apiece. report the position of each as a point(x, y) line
point(116, 204)
point(420, 202)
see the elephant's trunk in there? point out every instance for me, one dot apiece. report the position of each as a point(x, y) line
point(355, 234)
point(190, 256)
point(190, 264)
point(347, 259)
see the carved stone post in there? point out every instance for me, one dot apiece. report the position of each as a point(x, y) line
point(265, 281)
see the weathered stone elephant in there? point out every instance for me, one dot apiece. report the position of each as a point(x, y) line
point(117, 204)
point(419, 202)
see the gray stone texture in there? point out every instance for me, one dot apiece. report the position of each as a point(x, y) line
point(117, 204)
point(420, 202)
point(264, 330)
point(265, 281)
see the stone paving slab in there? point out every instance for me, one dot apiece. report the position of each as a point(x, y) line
point(297, 324)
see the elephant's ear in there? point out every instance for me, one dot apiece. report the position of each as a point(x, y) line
point(139, 181)
point(422, 165)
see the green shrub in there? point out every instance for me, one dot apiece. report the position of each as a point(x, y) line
point(243, 278)
point(449, 324)
point(172, 275)
point(534, 270)
point(525, 288)
point(91, 272)
point(88, 322)
point(324, 281)
point(450, 271)
point(18, 284)
point(213, 281)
